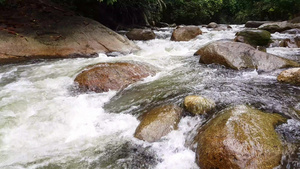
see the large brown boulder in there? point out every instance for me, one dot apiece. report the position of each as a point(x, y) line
point(255, 24)
point(51, 32)
point(158, 122)
point(279, 26)
point(240, 137)
point(291, 76)
point(185, 33)
point(254, 37)
point(140, 34)
point(112, 76)
point(198, 105)
point(238, 56)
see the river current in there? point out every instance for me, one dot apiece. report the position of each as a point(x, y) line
point(46, 123)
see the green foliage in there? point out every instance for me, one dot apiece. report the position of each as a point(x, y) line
point(193, 11)
point(2, 2)
point(233, 11)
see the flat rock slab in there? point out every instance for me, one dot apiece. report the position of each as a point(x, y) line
point(41, 29)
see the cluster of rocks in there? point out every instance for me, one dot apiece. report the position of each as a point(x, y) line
point(236, 137)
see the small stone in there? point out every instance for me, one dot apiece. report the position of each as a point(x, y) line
point(198, 105)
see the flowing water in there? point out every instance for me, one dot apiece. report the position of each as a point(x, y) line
point(46, 123)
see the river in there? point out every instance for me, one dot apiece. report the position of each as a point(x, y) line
point(46, 123)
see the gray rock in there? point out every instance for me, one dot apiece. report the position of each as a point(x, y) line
point(238, 56)
point(279, 26)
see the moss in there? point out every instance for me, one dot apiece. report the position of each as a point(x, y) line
point(256, 37)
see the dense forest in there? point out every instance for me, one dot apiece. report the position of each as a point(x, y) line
point(116, 13)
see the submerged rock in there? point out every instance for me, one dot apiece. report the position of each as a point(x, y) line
point(254, 37)
point(198, 105)
point(237, 55)
point(140, 34)
point(185, 33)
point(240, 137)
point(291, 76)
point(112, 76)
point(158, 122)
point(279, 26)
point(54, 34)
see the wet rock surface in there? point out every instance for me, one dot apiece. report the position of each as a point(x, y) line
point(255, 24)
point(185, 33)
point(291, 76)
point(254, 37)
point(112, 76)
point(158, 122)
point(140, 34)
point(240, 137)
point(198, 105)
point(237, 55)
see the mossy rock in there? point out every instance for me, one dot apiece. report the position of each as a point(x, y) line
point(198, 105)
point(158, 122)
point(240, 137)
point(254, 37)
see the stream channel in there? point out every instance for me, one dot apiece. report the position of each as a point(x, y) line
point(46, 123)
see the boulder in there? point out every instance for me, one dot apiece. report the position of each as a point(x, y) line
point(254, 37)
point(240, 137)
point(238, 56)
point(198, 105)
point(279, 26)
point(112, 76)
point(212, 25)
point(53, 32)
point(140, 34)
point(158, 122)
point(255, 24)
point(185, 33)
point(291, 76)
